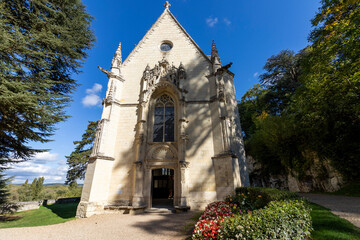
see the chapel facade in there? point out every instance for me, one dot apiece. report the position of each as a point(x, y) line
point(170, 129)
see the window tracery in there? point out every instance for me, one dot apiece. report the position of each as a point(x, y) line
point(164, 119)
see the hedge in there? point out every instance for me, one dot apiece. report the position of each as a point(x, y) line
point(272, 193)
point(255, 213)
point(251, 198)
point(288, 219)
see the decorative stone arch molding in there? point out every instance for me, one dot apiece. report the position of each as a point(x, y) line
point(164, 88)
point(162, 79)
point(161, 152)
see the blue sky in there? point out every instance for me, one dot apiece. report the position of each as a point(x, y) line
point(245, 32)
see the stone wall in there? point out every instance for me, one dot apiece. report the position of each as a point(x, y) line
point(24, 206)
point(320, 176)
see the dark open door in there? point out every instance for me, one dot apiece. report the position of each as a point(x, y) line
point(163, 183)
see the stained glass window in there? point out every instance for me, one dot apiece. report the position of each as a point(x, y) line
point(164, 119)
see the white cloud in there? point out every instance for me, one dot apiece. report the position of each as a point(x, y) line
point(256, 74)
point(45, 157)
point(210, 21)
point(28, 168)
point(44, 164)
point(92, 98)
point(95, 89)
point(227, 21)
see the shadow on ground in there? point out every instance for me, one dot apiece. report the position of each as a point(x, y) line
point(6, 218)
point(66, 210)
point(183, 223)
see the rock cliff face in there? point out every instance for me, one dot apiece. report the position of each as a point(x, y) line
point(320, 176)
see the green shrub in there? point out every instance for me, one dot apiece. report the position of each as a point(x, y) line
point(247, 201)
point(251, 198)
point(270, 193)
point(288, 219)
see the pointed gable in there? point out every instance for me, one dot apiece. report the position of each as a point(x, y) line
point(184, 50)
point(166, 16)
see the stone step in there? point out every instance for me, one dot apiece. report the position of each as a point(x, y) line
point(160, 210)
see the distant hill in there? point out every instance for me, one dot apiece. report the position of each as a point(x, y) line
point(61, 184)
point(48, 184)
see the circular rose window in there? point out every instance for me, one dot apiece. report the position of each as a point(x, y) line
point(166, 46)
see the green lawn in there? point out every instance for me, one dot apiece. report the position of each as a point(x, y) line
point(329, 226)
point(46, 215)
point(350, 189)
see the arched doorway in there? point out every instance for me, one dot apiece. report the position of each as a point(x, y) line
point(162, 187)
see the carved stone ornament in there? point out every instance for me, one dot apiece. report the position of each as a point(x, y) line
point(184, 164)
point(140, 138)
point(167, 5)
point(162, 153)
point(99, 130)
point(220, 88)
point(163, 72)
point(184, 137)
point(138, 164)
point(110, 97)
point(111, 74)
point(183, 126)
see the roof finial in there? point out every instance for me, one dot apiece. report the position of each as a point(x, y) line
point(215, 58)
point(167, 5)
point(214, 51)
point(117, 60)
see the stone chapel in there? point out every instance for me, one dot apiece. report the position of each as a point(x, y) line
point(170, 130)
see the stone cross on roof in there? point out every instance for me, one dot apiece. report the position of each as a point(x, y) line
point(167, 5)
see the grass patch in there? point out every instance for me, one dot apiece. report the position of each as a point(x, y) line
point(329, 226)
point(350, 189)
point(45, 215)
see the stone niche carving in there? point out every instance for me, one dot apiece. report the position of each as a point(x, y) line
point(161, 152)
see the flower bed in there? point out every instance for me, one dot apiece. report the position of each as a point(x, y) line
point(209, 223)
point(207, 229)
point(216, 210)
point(255, 213)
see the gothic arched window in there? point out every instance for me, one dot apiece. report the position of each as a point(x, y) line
point(164, 119)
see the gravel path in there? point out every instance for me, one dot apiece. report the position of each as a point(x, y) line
point(156, 226)
point(342, 206)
